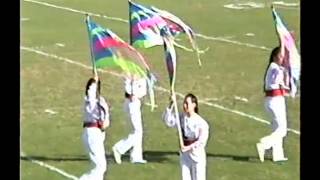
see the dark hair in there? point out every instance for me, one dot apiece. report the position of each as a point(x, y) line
point(274, 52)
point(90, 81)
point(194, 100)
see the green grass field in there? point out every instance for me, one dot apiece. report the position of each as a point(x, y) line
point(229, 70)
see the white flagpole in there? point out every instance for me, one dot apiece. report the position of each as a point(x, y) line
point(169, 42)
point(94, 69)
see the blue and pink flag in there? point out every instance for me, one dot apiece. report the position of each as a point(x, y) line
point(146, 24)
point(291, 54)
point(110, 51)
point(176, 26)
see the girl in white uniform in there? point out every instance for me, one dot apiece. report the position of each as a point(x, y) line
point(275, 88)
point(96, 112)
point(195, 131)
point(135, 90)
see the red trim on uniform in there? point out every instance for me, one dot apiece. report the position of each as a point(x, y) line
point(97, 124)
point(276, 92)
point(188, 142)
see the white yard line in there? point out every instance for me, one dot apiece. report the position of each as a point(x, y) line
point(77, 11)
point(232, 42)
point(126, 21)
point(24, 19)
point(65, 59)
point(51, 168)
point(157, 87)
point(281, 3)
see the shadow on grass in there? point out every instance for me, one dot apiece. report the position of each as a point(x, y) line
point(60, 158)
point(209, 156)
point(150, 156)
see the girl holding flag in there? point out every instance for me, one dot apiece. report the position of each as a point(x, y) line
point(96, 120)
point(193, 130)
point(110, 51)
point(281, 78)
point(276, 87)
point(195, 133)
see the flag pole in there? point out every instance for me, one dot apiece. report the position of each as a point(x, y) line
point(130, 25)
point(172, 84)
point(281, 43)
point(177, 117)
point(94, 69)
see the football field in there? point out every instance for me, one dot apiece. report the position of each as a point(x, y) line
point(55, 66)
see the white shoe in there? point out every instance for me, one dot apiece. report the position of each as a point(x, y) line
point(261, 151)
point(280, 160)
point(116, 155)
point(142, 161)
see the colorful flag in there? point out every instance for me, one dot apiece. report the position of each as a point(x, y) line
point(110, 51)
point(293, 61)
point(177, 26)
point(145, 26)
point(147, 22)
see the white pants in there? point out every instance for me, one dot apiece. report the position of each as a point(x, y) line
point(192, 170)
point(134, 139)
point(276, 107)
point(93, 139)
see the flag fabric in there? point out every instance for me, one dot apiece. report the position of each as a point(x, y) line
point(170, 56)
point(110, 51)
point(177, 26)
point(292, 57)
point(146, 24)
point(171, 62)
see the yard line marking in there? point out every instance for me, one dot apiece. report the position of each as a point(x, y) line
point(157, 87)
point(285, 4)
point(126, 21)
point(66, 60)
point(24, 19)
point(247, 5)
point(243, 114)
point(51, 168)
point(77, 11)
point(233, 42)
point(60, 44)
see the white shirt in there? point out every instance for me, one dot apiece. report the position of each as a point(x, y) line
point(275, 77)
point(94, 109)
point(193, 128)
point(137, 87)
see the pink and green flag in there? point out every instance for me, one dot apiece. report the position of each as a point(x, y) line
point(292, 57)
point(146, 24)
point(110, 51)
